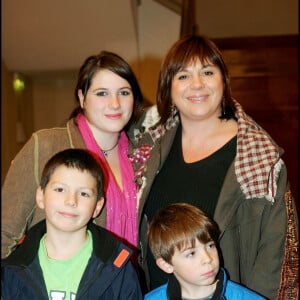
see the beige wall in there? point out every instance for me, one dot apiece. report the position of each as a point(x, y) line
point(53, 99)
point(159, 28)
point(8, 120)
point(15, 108)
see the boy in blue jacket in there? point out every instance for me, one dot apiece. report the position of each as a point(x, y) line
point(183, 241)
point(67, 256)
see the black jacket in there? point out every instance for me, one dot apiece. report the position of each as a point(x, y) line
point(103, 277)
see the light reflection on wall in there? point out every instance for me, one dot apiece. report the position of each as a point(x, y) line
point(19, 86)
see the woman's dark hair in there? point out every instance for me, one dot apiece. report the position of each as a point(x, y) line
point(116, 64)
point(183, 52)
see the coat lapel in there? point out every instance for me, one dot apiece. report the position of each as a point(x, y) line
point(229, 200)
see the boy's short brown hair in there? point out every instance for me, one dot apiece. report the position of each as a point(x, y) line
point(178, 226)
point(79, 159)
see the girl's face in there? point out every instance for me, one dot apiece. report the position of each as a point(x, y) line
point(197, 91)
point(108, 104)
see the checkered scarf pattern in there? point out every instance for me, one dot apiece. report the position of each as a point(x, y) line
point(256, 157)
point(257, 162)
point(158, 130)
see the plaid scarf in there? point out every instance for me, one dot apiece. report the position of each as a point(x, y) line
point(257, 162)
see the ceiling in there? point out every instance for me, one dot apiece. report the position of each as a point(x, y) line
point(59, 34)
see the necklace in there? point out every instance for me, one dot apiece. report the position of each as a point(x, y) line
point(105, 152)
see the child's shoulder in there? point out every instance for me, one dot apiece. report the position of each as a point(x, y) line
point(159, 293)
point(236, 291)
point(107, 247)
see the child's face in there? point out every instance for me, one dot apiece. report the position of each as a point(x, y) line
point(70, 199)
point(196, 267)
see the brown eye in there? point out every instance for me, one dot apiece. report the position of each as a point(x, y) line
point(181, 77)
point(125, 92)
point(101, 93)
point(84, 194)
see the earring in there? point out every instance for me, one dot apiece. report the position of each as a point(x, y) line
point(173, 109)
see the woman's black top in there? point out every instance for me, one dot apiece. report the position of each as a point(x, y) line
point(198, 183)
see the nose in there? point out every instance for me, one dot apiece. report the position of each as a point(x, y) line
point(114, 102)
point(206, 257)
point(197, 81)
point(71, 200)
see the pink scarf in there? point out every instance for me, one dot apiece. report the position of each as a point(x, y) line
point(120, 206)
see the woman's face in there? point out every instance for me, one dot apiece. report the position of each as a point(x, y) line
point(197, 91)
point(108, 104)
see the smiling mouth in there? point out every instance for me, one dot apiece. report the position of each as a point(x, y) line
point(67, 215)
point(114, 117)
point(197, 98)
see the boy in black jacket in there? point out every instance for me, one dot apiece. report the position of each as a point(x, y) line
point(67, 256)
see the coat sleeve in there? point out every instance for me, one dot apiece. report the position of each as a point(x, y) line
point(19, 211)
point(289, 272)
point(18, 198)
point(275, 272)
point(131, 288)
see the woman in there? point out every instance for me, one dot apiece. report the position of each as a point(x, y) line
point(110, 100)
point(206, 150)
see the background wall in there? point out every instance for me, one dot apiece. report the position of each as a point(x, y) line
point(240, 18)
point(54, 99)
point(265, 81)
point(8, 119)
point(16, 118)
point(159, 28)
point(48, 97)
